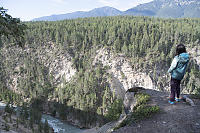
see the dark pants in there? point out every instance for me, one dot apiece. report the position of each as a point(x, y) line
point(175, 89)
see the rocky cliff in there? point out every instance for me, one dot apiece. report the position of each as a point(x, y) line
point(195, 54)
point(49, 58)
point(59, 65)
point(57, 68)
point(123, 77)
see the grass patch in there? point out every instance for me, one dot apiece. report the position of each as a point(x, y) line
point(140, 111)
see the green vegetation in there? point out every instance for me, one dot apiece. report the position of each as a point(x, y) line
point(142, 98)
point(143, 112)
point(9, 96)
point(11, 27)
point(9, 108)
point(140, 111)
point(148, 42)
point(46, 127)
point(115, 110)
point(27, 116)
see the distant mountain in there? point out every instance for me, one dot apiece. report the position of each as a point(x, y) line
point(103, 11)
point(167, 8)
point(157, 8)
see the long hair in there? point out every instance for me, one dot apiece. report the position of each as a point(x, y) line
point(180, 49)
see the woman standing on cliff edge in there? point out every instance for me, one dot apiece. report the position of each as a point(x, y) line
point(177, 71)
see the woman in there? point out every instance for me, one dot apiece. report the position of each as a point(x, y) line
point(177, 70)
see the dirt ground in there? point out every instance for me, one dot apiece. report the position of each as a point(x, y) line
point(178, 118)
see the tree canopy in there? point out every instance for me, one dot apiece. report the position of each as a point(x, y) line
point(10, 26)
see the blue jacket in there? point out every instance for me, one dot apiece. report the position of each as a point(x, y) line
point(179, 65)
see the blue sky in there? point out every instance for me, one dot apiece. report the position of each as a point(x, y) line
point(29, 9)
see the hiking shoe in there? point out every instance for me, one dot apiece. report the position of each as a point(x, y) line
point(177, 99)
point(170, 102)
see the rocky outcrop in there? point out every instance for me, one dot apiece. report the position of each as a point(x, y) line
point(129, 102)
point(195, 55)
point(123, 76)
point(180, 117)
point(170, 116)
point(59, 65)
point(56, 62)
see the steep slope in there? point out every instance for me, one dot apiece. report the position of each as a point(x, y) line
point(167, 8)
point(195, 52)
point(147, 9)
point(45, 64)
point(122, 74)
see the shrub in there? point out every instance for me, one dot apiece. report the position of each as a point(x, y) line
point(115, 110)
point(140, 111)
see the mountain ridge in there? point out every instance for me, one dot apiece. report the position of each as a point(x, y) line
point(102, 11)
point(156, 8)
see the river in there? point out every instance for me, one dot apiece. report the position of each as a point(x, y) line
point(56, 124)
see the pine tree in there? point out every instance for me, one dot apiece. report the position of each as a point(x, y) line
point(11, 26)
point(46, 126)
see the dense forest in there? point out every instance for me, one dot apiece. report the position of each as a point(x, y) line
point(149, 43)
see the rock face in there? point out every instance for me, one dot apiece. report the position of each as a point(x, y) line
point(56, 62)
point(195, 53)
point(10, 77)
point(123, 76)
point(59, 65)
point(129, 102)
